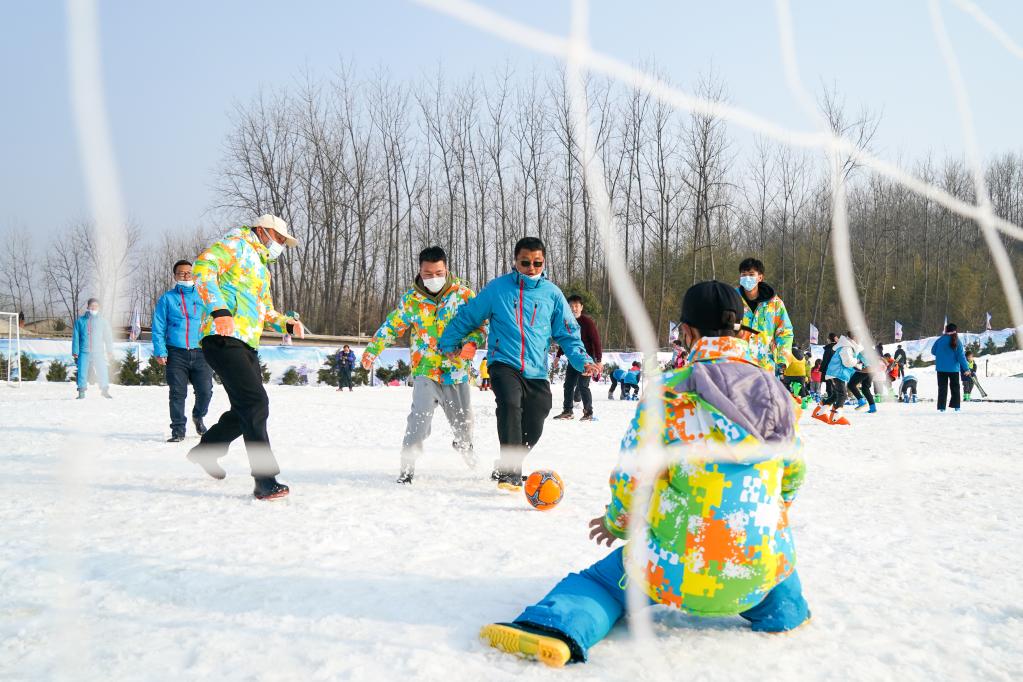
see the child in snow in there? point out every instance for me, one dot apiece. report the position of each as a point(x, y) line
point(718, 543)
point(967, 376)
point(794, 376)
point(484, 375)
point(630, 382)
point(616, 379)
point(907, 389)
point(815, 380)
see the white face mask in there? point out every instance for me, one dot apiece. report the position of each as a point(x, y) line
point(434, 284)
point(533, 278)
point(276, 249)
point(187, 283)
point(749, 282)
point(93, 312)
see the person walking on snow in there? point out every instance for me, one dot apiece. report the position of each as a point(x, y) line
point(577, 383)
point(427, 308)
point(860, 383)
point(484, 375)
point(829, 351)
point(715, 544)
point(764, 312)
point(345, 367)
point(949, 361)
point(525, 311)
point(900, 358)
point(233, 279)
point(843, 364)
point(92, 346)
point(177, 323)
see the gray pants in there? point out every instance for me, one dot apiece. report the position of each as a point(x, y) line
point(454, 399)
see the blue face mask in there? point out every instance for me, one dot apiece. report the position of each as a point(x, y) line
point(749, 282)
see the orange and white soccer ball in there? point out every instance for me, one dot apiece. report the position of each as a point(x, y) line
point(544, 489)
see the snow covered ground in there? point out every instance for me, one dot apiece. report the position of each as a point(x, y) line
point(142, 568)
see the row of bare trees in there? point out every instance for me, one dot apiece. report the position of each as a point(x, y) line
point(369, 171)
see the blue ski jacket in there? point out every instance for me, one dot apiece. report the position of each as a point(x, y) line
point(91, 335)
point(177, 320)
point(947, 358)
point(524, 316)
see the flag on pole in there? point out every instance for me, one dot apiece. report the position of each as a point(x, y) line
point(672, 331)
point(898, 331)
point(136, 324)
point(987, 323)
point(813, 333)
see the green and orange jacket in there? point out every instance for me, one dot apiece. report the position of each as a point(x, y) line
point(428, 314)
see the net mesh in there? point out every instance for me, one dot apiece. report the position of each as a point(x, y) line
point(107, 209)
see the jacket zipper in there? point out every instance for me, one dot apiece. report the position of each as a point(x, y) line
point(522, 326)
point(184, 311)
point(532, 319)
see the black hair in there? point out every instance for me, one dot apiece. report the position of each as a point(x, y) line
point(530, 244)
point(91, 301)
point(180, 263)
point(751, 264)
point(576, 298)
point(832, 336)
point(953, 335)
point(849, 334)
point(433, 254)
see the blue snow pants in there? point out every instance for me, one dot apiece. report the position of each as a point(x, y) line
point(584, 606)
point(99, 366)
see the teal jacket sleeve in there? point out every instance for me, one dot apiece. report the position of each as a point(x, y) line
point(466, 322)
point(159, 328)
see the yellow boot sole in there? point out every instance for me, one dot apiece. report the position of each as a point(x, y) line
point(548, 650)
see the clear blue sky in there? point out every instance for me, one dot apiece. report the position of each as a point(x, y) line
point(174, 71)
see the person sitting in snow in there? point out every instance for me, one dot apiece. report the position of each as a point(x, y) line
point(718, 541)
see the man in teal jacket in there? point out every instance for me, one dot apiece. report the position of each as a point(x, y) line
point(92, 345)
point(525, 310)
point(177, 323)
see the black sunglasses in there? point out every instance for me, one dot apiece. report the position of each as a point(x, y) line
point(535, 263)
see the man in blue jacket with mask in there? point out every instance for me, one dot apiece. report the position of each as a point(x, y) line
point(92, 345)
point(177, 322)
point(525, 311)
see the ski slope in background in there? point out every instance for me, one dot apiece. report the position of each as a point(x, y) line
point(907, 531)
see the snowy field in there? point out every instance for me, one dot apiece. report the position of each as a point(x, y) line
point(142, 568)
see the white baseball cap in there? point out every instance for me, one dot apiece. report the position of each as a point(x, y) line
point(272, 222)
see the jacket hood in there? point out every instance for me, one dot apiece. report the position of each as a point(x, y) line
point(449, 281)
point(740, 389)
point(846, 342)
